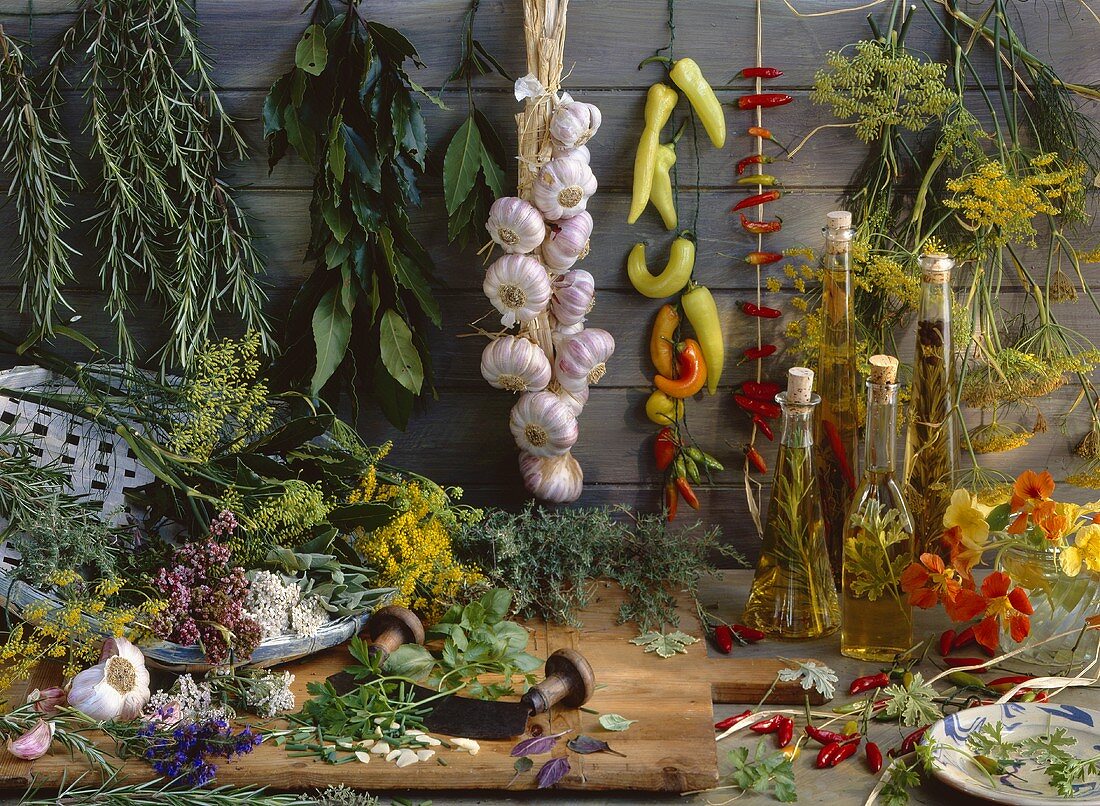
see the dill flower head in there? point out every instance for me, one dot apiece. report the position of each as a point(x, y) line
point(1089, 446)
point(882, 85)
point(1087, 476)
point(1061, 288)
point(997, 438)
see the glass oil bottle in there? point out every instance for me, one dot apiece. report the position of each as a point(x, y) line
point(930, 446)
point(836, 425)
point(876, 618)
point(793, 595)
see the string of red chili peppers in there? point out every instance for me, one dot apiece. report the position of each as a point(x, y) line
point(757, 398)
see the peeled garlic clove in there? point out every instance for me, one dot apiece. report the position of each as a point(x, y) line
point(467, 745)
point(563, 187)
point(555, 479)
point(568, 242)
point(518, 287)
point(363, 757)
point(574, 124)
point(380, 749)
point(396, 753)
point(543, 425)
point(516, 364)
point(408, 757)
point(515, 225)
point(574, 295)
point(424, 755)
point(34, 743)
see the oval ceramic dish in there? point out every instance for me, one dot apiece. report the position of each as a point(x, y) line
point(1024, 783)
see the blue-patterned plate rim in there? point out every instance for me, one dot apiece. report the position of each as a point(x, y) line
point(955, 771)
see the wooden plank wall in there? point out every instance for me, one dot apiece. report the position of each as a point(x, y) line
point(462, 438)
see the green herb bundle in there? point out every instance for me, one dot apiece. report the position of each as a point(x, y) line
point(167, 229)
point(347, 108)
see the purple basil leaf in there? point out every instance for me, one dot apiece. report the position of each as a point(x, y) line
point(586, 744)
point(552, 771)
point(538, 745)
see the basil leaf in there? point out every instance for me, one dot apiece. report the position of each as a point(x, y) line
point(537, 745)
point(399, 355)
point(552, 771)
point(311, 54)
point(331, 334)
point(584, 745)
point(461, 164)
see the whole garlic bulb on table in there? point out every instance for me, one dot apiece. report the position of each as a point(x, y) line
point(115, 688)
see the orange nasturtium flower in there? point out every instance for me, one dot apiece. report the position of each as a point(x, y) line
point(1003, 607)
point(964, 552)
point(1031, 497)
point(931, 581)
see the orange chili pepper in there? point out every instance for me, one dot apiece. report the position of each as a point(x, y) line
point(687, 493)
point(661, 341)
point(838, 451)
point(672, 501)
point(693, 373)
point(757, 460)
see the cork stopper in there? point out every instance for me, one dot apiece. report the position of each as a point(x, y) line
point(838, 233)
point(884, 369)
point(800, 385)
point(935, 267)
point(838, 219)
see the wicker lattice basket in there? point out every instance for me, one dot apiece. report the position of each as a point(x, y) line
point(101, 465)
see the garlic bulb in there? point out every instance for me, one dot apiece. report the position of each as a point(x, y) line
point(515, 225)
point(574, 399)
point(516, 364)
point(574, 124)
point(579, 152)
point(574, 296)
point(582, 359)
point(518, 287)
point(556, 479)
point(568, 242)
point(543, 425)
point(563, 187)
point(33, 743)
point(115, 688)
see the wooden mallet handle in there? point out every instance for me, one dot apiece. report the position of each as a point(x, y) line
point(391, 627)
point(569, 681)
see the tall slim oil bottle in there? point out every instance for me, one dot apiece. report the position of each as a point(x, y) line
point(930, 446)
point(793, 595)
point(837, 422)
point(876, 619)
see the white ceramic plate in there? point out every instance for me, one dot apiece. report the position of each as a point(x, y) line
point(1026, 785)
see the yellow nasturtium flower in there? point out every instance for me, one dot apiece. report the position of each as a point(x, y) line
point(1084, 553)
point(969, 515)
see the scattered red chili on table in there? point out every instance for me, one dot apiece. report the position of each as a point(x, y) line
point(761, 407)
point(824, 737)
point(685, 491)
point(730, 721)
point(747, 635)
point(756, 459)
point(785, 732)
point(665, 448)
point(761, 72)
point(755, 159)
point(874, 757)
point(762, 311)
point(909, 743)
point(1010, 681)
point(723, 638)
point(868, 682)
point(760, 227)
point(756, 199)
point(755, 353)
point(947, 640)
point(769, 725)
point(763, 258)
point(767, 100)
point(965, 638)
point(834, 753)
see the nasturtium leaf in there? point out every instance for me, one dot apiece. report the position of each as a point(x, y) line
point(461, 164)
point(399, 354)
point(998, 517)
point(311, 54)
point(552, 771)
point(615, 722)
point(331, 334)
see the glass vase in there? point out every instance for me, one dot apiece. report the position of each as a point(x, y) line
point(1061, 603)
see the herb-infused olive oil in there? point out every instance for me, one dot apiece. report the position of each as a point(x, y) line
point(930, 446)
point(876, 619)
point(793, 595)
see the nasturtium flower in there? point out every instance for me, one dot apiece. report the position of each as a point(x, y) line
point(1084, 553)
point(1005, 606)
point(967, 514)
point(929, 581)
point(963, 552)
point(1031, 498)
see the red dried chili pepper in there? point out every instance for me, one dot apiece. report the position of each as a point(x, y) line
point(846, 751)
point(824, 737)
point(761, 390)
point(765, 134)
point(838, 451)
point(785, 732)
point(755, 159)
point(763, 258)
point(954, 663)
point(730, 721)
point(874, 757)
point(747, 635)
point(909, 743)
point(685, 491)
point(868, 682)
point(833, 754)
point(756, 199)
point(1011, 680)
point(762, 424)
point(761, 72)
point(761, 227)
point(672, 501)
point(756, 353)
point(769, 725)
point(665, 448)
point(755, 458)
point(965, 638)
point(761, 311)
point(723, 639)
point(765, 99)
point(761, 407)
point(1033, 696)
point(947, 640)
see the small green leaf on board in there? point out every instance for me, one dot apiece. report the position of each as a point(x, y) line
point(461, 164)
point(399, 354)
point(311, 54)
point(615, 722)
point(331, 334)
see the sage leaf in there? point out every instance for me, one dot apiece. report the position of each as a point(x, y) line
point(331, 334)
point(615, 722)
point(311, 54)
point(537, 745)
point(461, 164)
point(552, 771)
point(399, 355)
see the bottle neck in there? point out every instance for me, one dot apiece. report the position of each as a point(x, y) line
point(798, 421)
point(882, 417)
point(935, 302)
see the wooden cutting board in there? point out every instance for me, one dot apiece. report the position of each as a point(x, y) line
point(670, 748)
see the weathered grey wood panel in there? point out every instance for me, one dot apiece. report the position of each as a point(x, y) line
point(253, 45)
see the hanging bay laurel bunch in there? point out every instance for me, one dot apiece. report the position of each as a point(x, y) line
point(347, 108)
point(166, 229)
point(37, 157)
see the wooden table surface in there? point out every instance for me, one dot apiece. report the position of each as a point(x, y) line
point(847, 784)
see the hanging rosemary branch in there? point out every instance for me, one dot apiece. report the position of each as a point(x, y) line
point(473, 172)
point(347, 109)
point(37, 157)
point(166, 227)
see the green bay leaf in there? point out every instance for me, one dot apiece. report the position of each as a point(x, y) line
point(399, 354)
point(461, 164)
point(331, 334)
point(311, 54)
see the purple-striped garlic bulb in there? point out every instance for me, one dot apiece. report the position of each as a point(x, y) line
point(568, 242)
point(516, 364)
point(555, 479)
point(563, 187)
point(573, 297)
point(582, 359)
point(518, 287)
point(543, 425)
point(515, 225)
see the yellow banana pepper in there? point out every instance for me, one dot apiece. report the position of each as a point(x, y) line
point(686, 75)
point(662, 196)
point(659, 103)
point(701, 311)
point(662, 409)
point(676, 274)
